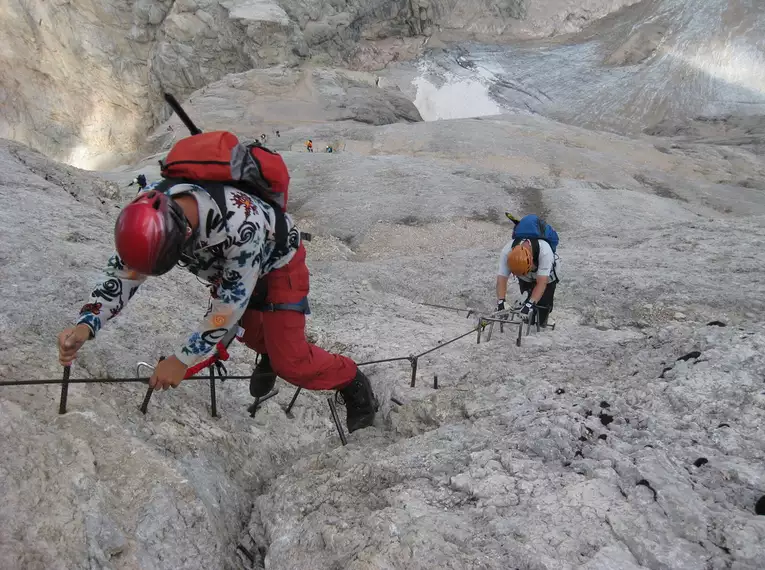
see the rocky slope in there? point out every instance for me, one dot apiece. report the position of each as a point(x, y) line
point(656, 65)
point(83, 79)
point(628, 438)
point(264, 101)
point(583, 448)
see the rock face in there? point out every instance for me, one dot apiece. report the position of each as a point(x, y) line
point(82, 80)
point(629, 437)
point(510, 19)
point(494, 467)
point(262, 101)
point(655, 66)
point(583, 448)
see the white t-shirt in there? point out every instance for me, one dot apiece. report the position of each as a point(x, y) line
point(546, 266)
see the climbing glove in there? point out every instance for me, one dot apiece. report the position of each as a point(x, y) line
point(528, 310)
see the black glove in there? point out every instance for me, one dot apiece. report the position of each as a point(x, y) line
point(501, 305)
point(527, 310)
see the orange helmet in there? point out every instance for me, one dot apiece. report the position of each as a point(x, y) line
point(519, 260)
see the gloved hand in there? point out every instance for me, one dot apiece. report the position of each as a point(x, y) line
point(528, 310)
point(501, 305)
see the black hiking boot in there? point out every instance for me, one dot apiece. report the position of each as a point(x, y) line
point(263, 378)
point(360, 402)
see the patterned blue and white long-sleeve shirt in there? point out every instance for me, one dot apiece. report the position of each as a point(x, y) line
point(230, 254)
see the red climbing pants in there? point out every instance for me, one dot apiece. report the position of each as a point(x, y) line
point(281, 334)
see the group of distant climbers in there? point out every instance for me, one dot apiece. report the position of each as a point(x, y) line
point(264, 136)
point(309, 146)
point(308, 143)
point(219, 211)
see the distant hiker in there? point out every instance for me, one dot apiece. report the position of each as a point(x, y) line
point(140, 180)
point(277, 134)
point(263, 138)
point(249, 251)
point(328, 149)
point(530, 256)
point(309, 145)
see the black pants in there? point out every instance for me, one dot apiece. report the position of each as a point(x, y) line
point(545, 304)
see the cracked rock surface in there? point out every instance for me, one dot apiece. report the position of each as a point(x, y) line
point(689, 69)
point(517, 472)
point(580, 449)
point(262, 101)
point(629, 437)
point(82, 80)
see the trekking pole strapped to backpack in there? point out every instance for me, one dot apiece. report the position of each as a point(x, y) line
point(173, 102)
point(216, 159)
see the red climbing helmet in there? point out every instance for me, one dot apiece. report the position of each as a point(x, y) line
point(150, 233)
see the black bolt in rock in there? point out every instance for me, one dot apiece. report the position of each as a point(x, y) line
point(560, 391)
point(687, 357)
point(246, 553)
point(645, 483)
point(606, 419)
point(759, 507)
point(701, 461)
point(722, 425)
point(716, 324)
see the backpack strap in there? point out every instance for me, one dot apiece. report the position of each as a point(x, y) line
point(214, 189)
point(168, 183)
point(280, 229)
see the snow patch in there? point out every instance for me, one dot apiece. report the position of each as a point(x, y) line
point(454, 100)
point(258, 10)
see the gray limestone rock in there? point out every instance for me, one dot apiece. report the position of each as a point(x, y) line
point(627, 438)
point(90, 86)
point(572, 451)
point(282, 98)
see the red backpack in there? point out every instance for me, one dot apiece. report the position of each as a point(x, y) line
point(218, 156)
point(212, 159)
